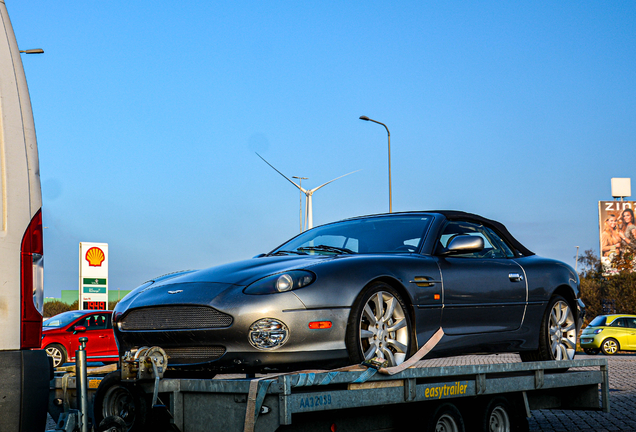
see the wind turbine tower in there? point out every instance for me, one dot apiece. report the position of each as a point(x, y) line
point(309, 219)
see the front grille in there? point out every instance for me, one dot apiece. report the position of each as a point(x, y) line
point(175, 318)
point(192, 355)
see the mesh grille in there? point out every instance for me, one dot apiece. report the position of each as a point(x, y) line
point(175, 318)
point(186, 355)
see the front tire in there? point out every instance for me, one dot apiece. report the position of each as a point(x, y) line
point(557, 338)
point(610, 346)
point(379, 326)
point(57, 353)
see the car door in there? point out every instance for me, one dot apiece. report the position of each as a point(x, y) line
point(484, 291)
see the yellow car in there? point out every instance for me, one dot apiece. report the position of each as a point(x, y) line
point(610, 334)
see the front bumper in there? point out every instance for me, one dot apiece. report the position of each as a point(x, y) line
point(593, 341)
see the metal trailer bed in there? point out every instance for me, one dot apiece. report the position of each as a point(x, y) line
point(363, 400)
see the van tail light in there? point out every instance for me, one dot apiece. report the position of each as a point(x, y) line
point(32, 284)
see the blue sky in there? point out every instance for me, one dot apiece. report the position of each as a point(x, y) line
point(148, 116)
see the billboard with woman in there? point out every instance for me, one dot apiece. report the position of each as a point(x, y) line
point(617, 231)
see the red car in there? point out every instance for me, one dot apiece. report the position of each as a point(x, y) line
point(61, 333)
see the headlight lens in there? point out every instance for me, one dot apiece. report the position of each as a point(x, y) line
point(268, 334)
point(281, 282)
point(597, 331)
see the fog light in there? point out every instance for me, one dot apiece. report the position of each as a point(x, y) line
point(268, 333)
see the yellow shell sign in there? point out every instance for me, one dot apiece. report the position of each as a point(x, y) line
point(95, 257)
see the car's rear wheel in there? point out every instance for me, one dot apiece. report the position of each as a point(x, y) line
point(57, 353)
point(557, 338)
point(379, 326)
point(610, 346)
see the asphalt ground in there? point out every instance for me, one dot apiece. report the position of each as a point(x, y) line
point(622, 377)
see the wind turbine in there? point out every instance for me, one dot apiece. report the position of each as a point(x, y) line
point(309, 219)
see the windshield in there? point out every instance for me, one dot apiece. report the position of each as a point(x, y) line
point(389, 234)
point(599, 321)
point(62, 319)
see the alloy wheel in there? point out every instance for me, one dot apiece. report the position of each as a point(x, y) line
point(610, 347)
point(384, 328)
point(562, 331)
point(56, 354)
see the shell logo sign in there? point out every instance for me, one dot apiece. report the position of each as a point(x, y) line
point(95, 257)
point(93, 275)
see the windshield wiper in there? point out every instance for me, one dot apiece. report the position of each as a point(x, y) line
point(287, 252)
point(325, 248)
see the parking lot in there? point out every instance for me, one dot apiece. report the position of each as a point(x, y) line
point(622, 375)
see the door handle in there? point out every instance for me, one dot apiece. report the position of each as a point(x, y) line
point(515, 277)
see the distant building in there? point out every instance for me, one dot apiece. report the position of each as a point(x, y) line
point(71, 296)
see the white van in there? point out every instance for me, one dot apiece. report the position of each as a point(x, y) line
point(24, 373)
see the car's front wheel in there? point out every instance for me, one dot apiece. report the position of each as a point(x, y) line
point(379, 326)
point(557, 338)
point(57, 353)
point(610, 346)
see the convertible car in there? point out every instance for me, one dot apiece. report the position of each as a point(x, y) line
point(372, 287)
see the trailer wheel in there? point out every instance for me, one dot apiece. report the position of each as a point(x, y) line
point(496, 417)
point(446, 418)
point(115, 398)
point(112, 424)
point(379, 325)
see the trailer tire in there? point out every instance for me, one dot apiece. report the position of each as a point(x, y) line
point(447, 418)
point(124, 400)
point(112, 424)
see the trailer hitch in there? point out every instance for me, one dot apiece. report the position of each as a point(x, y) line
point(145, 364)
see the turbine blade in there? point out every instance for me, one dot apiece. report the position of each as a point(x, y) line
point(290, 180)
point(325, 184)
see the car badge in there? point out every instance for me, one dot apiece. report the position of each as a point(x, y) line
point(175, 292)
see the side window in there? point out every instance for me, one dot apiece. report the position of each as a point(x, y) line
point(631, 322)
point(494, 246)
point(620, 322)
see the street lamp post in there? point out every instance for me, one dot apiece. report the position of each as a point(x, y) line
point(365, 118)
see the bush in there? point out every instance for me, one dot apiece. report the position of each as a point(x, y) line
point(55, 307)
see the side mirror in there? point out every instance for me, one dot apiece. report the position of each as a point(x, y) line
point(464, 244)
point(79, 329)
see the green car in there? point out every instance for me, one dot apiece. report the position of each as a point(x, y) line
point(610, 334)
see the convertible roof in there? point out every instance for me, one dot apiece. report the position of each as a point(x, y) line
point(499, 227)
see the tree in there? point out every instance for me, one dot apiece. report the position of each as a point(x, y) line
point(597, 287)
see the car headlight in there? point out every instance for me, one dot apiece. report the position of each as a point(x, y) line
point(281, 282)
point(268, 334)
point(597, 331)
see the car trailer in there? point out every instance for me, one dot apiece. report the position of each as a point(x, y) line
point(359, 398)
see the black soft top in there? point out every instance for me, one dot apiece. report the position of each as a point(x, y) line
point(497, 226)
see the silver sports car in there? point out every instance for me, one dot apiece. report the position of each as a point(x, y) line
point(368, 287)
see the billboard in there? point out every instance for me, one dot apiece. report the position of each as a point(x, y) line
point(617, 230)
point(93, 277)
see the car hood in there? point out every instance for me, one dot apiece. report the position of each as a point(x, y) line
point(245, 272)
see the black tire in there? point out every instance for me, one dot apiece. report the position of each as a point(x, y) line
point(392, 337)
point(446, 417)
point(497, 416)
point(112, 424)
point(557, 334)
point(591, 351)
point(58, 353)
point(115, 398)
point(610, 346)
